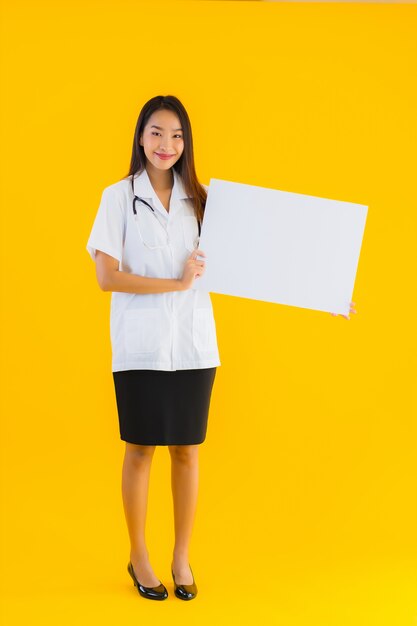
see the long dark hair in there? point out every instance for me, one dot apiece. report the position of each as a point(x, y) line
point(185, 164)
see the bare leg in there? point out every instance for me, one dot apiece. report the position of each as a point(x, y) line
point(135, 485)
point(184, 483)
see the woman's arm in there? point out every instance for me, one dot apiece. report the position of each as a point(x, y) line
point(111, 279)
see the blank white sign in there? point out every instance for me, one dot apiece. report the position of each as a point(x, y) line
point(282, 247)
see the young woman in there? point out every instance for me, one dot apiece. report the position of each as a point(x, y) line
point(164, 347)
point(144, 242)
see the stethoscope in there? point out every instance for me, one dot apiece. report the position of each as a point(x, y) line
point(137, 199)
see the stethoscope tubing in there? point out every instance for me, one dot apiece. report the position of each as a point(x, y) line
point(136, 198)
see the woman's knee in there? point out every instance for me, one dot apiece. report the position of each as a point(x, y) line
point(138, 453)
point(184, 453)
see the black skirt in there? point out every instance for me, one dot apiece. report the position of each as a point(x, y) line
point(158, 407)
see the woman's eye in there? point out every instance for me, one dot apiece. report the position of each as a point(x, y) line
point(154, 132)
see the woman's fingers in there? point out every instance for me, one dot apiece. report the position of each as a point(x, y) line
point(197, 252)
point(352, 310)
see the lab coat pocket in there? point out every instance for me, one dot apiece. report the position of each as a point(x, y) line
point(190, 231)
point(142, 330)
point(204, 330)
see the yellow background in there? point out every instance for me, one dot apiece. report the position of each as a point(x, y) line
point(307, 507)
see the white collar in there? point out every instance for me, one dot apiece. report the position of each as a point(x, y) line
point(143, 186)
point(143, 189)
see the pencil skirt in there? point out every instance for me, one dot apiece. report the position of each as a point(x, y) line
point(158, 407)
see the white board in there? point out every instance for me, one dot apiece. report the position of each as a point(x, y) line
point(281, 247)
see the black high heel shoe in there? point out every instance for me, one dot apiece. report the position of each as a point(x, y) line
point(185, 592)
point(152, 593)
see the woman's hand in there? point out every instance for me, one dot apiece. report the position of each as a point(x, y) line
point(192, 269)
point(352, 310)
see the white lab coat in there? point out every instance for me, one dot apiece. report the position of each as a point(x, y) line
point(163, 331)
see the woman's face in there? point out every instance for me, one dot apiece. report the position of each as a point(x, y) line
point(162, 135)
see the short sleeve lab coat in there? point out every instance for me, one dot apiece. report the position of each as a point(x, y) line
point(163, 331)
